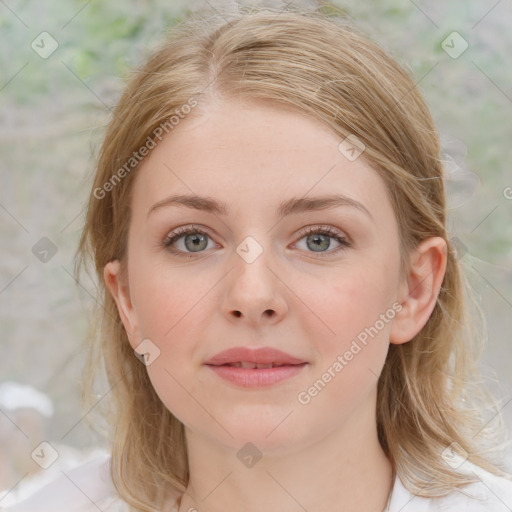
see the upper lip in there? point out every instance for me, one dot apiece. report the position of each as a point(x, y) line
point(262, 355)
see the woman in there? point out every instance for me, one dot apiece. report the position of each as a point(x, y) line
point(283, 320)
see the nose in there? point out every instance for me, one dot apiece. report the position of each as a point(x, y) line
point(254, 292)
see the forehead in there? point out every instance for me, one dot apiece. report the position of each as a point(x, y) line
point(254, 154)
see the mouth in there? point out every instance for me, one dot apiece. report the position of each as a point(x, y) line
point(255, 368)
point(260, 358)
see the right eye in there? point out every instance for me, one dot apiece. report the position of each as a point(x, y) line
point(187, 240)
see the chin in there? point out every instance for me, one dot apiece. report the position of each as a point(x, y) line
point(272, 436)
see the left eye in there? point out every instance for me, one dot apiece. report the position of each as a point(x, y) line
point(320, 240)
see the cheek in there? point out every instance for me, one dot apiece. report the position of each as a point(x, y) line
point(172, 307)
point(353, 320)
point(351, 301)
point(166, 299)
point(358, 309)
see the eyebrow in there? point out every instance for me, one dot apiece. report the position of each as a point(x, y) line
point(288, 207)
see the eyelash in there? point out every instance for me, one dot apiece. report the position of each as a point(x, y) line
point(191, 230)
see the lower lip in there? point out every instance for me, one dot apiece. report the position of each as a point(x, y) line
point(254, 377)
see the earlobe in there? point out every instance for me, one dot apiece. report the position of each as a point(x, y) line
point(118, 288)
point(420, 289)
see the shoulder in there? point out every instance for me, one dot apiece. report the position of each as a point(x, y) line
point(490, 493)
point(85, 488)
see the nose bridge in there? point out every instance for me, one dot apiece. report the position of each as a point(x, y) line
point(254, 289)
point(251, 261)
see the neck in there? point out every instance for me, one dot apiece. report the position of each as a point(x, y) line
point(346, 470)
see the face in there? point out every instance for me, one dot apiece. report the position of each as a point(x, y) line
point(272, 267)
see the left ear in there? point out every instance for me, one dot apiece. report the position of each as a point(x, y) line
point(420, 288)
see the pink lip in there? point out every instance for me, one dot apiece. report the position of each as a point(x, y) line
point(255, 377)
point(263, 355)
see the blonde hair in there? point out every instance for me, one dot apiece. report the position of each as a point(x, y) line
point(324, 68)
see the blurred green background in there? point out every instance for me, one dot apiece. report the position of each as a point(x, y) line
point(53, 111)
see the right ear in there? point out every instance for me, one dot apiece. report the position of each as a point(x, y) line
point(118, 287)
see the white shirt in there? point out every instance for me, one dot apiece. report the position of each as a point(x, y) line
point(89, 488)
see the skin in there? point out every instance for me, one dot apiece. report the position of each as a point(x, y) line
point(252, 156)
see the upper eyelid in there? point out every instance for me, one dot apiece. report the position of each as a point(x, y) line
point(323, 227)
point(198, 228)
